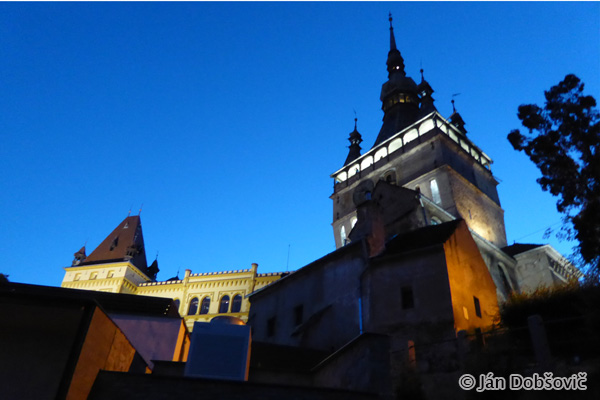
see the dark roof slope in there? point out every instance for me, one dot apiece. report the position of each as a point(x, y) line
point(422, 237)
point(519, 248)
point(117, 303)
point(126, 241)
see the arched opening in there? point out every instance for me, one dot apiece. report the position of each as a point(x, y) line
point(177, 302)
point(193, 306)
point(343, 237)
point(224, 305)
point(236, 303)
point(205, 305)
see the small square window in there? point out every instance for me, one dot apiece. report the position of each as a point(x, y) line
point(477, 306)
point(271, 327)
point(408, 300)
point(298, 315)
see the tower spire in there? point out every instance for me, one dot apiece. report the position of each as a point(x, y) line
point(392, 38)
point(399, 97)
point(395, 62)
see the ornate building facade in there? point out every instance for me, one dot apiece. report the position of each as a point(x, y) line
point(118, 265)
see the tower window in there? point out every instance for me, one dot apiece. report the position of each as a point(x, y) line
point(477, 306)
point(193, 306)
point(435, 192)
point(224, 305)
point(114, 243)
point(236, 303)
point(343, 237)
point(205, 305)
point(408, 300)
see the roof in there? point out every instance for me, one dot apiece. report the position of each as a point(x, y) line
point(125, 242)
point(117, 303)
point(519, 248)
point(422, 237)
point(273, 357)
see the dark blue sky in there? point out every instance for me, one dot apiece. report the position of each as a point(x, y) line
point(226, 119)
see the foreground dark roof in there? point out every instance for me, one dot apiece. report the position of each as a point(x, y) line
point(117, 303)
point(422, 237)
point(519, 248)
point(121, 385)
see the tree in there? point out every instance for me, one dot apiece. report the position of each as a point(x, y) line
point(564, 143)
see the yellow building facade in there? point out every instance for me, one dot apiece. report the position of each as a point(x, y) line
point(118, 265)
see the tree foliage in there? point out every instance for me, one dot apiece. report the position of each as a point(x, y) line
point(564, 143)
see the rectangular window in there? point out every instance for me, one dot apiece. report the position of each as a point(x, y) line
point(408, 300)
point(435, 192)
point(77, 277)
point(298, 315)
point(477, 307)
point(271, 327)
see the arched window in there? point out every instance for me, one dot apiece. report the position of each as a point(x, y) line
point(236, 303)
point(205, 305)
point(224, 306)
point(193, 306)
point(343, 237)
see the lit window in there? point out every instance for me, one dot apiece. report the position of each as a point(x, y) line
point(193, 306)
point(343, 236)
point(236, 303)
point(477, 306)
point(205, 305)
point(435, 192)
point(224, 305)
point(408, 300)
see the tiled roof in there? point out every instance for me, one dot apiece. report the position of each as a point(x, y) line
point(115, 247)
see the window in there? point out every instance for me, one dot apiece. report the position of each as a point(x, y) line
point(236, 303)
point(343, 237)
point(114, 243)
point(224, 305)
point(205, 305)
point(193, 306)
point(435, 192)
point(110, 274)
point(435, 221)
point(77, 277)
point(408, 300)
point(176, 302)
point(298, 314)
point(477, 306)
point(271, 327)
point(505, 282)
point(94, 275)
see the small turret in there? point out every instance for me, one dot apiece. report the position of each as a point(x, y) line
point(425, 91)
point(355, 140)
point(79, 257)
point(456, 120)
